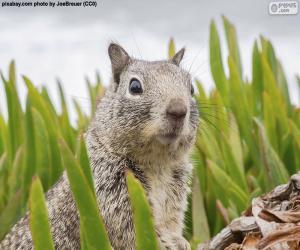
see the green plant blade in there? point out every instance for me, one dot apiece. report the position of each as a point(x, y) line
point(10, 213)
point(30, 152)
point(233, 191)
point(142, 217)
point(172, 49)
point(257, 79)
point(274, 169)
point(232, 43)
point(51, 120)
point(39, 224)
point(83, 158)
point(93, 227)
point(216, 64)
point(67, 130)
point(200, 223)
point(43, 152)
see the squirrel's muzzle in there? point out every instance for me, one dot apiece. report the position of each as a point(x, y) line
point(176, 110)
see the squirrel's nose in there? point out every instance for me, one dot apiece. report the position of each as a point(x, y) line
point(176, 109)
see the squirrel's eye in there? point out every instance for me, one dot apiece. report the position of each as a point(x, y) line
point(135, 87)
point(192, 90)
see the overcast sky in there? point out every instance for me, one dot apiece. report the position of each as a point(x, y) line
point(71, 43)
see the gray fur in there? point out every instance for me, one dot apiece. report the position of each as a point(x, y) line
point(130, 132)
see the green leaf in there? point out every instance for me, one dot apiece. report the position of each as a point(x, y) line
point(82, 119)
point(283, 85)
point(235, 171)
point(83, 158)
point(3, 135)
point(46, 97)
point(270, 86)
point(142, 217)
point(269, 53)
point(43, 154)
point(39, 224)
point(15, 178)
point(207, 142)
point(274, 169)
point(257, 79)
point(95, 92)
point(216, 63)
point(236, 144)
point(270, 120)
point(30, 152)
point(200, 222)
point(10, 214)
point(4, 175)
point(239, 104)
point(67, 130)
point(15, 115)
point(83, 242)
point(295, 131)
point(172, 49)
point(298, 80)
point(232, 43)
point(12, 74)
point(201, 96)
point(93, 227)
point(233, 191)
point(51, 120)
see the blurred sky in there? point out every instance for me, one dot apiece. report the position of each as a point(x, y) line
point(71, 43)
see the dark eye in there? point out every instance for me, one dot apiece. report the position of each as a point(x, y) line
point(192, 89)
point(135, 86)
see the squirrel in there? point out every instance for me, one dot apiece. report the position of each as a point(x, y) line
point(146, 122)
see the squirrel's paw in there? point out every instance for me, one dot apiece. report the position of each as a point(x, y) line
point(181, 243)
point(176, 243)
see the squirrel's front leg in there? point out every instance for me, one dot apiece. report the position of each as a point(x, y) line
point(169, 201)
point(170, 231)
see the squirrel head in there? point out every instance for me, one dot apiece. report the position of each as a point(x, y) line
point(149, 109)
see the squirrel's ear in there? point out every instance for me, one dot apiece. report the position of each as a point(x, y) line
point(119, 59)
point(178, 57)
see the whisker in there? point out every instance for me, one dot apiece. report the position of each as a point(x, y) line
point(203, 64)
point(216, 110)
point(225, 120)
point(136, 44)
point(79, 97)
point(212, 104)
point(207, 59)
point(196, 56)
point(213, 125)
point(203, 128)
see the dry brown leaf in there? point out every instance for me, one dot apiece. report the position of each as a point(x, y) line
point(279, 236)
point(233, 246)
point(250, 241)
point(274, 224)
point(248, 211)
point(280, 216)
